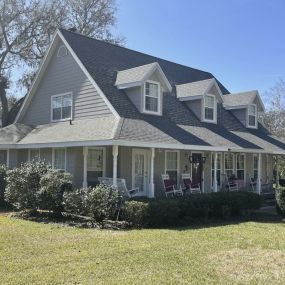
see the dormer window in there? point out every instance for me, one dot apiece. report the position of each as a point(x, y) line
point(152, 97)
point(210, 107)
point(252, 116)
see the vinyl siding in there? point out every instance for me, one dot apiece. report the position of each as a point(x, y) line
point(64, 75)
point(195, 107)
point(240, 114)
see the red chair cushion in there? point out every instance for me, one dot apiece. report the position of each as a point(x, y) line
point(169, 185)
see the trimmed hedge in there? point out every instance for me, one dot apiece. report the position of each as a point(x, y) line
point(183, 210)
point(280, 201)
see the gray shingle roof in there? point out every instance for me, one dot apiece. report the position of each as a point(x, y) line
point(194, 88)
point(239, 99)
point(13, 133)
point(135, 74)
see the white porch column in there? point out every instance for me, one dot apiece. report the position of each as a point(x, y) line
point(215, 182)
point(115, 152)
point(259, 173)
point(277, 172)
point(151, 184)
point(85, 153)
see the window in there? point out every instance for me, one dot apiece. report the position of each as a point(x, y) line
point(240, 166)
point(152, 97)
point(3, 157)
point(62, 51)
point(172, 165)
point(255, 167)
point(252, 116)
point(219, 168)
point(95, 165)
point(34, 154)
point(210, 108)
point(229, 164)
point(61, 107)
point(59, 158)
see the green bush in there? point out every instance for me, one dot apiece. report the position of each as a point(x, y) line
point(104, 203)
point(77, 201)
point(23, 184)
point(3, 183)
point(280, 201)
point(100, 203)
point(53, 185)
point(135, 212)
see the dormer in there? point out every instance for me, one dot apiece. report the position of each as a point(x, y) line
point(145, 86)
point(245, 106)
point(202, 98)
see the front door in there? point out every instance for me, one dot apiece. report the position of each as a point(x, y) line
point(197, 169)
point(140, 170)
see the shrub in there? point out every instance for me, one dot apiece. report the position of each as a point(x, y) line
point(135, 213)
point(280, 201)
point(77, 201)
point(3, 183)
point(23, 184)
point(104, 203)
point(53, 184)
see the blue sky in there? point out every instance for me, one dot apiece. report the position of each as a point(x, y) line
point(240, 41)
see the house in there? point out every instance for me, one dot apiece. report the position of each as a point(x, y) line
point(100, 110)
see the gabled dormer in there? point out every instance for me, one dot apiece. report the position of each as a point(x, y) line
point(202, 98)
point(145, 86)
point(245, 106)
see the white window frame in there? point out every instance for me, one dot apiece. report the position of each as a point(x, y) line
point(221, 167)
point(159, 111)
point(253, 168)
point(51, 109)
point(53, 157)
point(29, 153)
point(7, 156)
point(104, 158)
point(233, 169)
point(59, 50)
point(244, 169)
point(178, 163)
point(247, 116)
point(214, 111)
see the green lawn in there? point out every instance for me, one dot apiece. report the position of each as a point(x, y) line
point(246, 253)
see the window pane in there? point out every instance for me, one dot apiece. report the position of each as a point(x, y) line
point(61, 107)
point(209, 113)
point(240, 161)
point(34, 154)
point(251, 120)
point(171, 161)
point(209, 101)
point(66, 112)
point(252, 110)
point(66, 100)
point(56, 102)
point(229, 163)
point(59, 159)
point(56, 114)
point(151, 104)
point(151, 89)
point(3, 157)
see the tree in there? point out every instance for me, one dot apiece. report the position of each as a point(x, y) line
point(27, 26)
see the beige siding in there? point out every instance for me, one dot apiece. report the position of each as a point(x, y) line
point(64, 75)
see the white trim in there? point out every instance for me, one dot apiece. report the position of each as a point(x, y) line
point(58, 35)
point(214, 121)
point(247, 117)
point(221, 166)
point(53, 157)
point(178, 164)
point(190, 98)
point(51, 109)
point(8, 158)
point(159, 111)
point(253, 157)
point(115, 152)
point(58, 51)
point(228, 107)
point(214, 83)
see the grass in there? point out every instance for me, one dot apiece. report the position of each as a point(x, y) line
point(246, 253)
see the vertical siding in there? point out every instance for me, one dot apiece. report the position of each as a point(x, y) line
point(64, 75)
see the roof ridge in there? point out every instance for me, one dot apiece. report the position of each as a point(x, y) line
point(122, 47)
